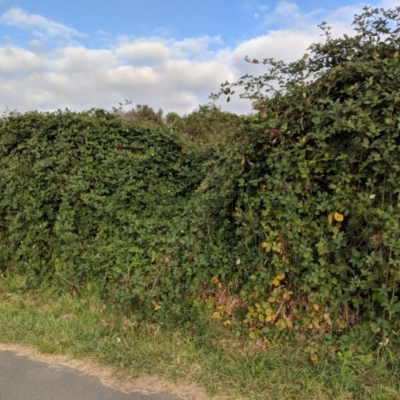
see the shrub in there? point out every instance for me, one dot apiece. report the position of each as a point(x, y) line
point(88, 198)
point(292, 225)
point(299, 219)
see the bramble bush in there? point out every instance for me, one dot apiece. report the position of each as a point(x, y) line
point(88, 198)
point(291, 226)
point(296, 228)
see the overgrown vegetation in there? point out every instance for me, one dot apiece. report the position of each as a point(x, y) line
point(82, 327)
point(206, 126)
point(88, 197)
point(280, 225)
point(298, 223)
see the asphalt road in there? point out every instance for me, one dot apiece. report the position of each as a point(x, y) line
point(24, 379)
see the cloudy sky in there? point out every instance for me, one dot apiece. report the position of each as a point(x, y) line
point(168, 54)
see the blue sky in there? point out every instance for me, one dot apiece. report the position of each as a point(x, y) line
point(167, 54)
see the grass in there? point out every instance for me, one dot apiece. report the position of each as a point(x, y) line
point(84, 327)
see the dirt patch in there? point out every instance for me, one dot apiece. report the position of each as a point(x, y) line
point(108, 377)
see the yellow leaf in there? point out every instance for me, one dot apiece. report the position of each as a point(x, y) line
point(156, 306)
point(278, 279)
point(227, 322)
point(330, 219)
point(316, 307)
point(267, 246)
point(316, 324)
point(327, 318)
point(339, 217)
point(219, 284)
point(216, 315)
point(286, 296)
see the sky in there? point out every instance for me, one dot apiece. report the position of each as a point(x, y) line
point(168, 54)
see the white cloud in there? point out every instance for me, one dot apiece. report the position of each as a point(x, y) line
point(143, 52)
point(287, 8)
point(195, 46)
point(175, 75)
point(77, 77)
point(74, 59)
point(253, 5)
point(287, 14)
point(19, 18)
point(287, 45)
point(16, 61)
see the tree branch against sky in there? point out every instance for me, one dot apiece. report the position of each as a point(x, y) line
point(170, 55)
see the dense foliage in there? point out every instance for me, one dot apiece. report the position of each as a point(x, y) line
point(299, 220)
point(291, 226)
point(88, 198)
point(206, 126)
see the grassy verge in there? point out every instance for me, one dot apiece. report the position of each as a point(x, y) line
point(84, 327)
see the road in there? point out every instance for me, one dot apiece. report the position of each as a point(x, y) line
point(22, 378)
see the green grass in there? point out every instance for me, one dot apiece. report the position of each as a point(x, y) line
point(227, 368)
